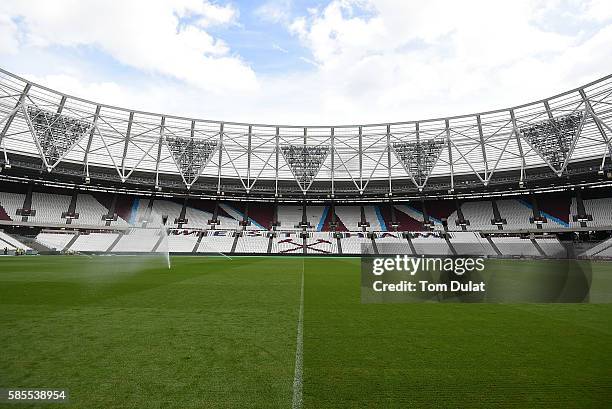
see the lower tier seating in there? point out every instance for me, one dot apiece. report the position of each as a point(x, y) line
point(253, 243)
point(95, 242)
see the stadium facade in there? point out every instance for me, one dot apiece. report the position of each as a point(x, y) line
point(513, 181)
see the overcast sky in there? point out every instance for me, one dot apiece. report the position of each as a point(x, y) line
point(308, 62)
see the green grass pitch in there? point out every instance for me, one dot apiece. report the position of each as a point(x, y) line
point(126, 332)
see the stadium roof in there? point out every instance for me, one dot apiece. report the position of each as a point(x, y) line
point(62, 130)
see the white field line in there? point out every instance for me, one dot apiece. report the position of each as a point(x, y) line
point(299, 351)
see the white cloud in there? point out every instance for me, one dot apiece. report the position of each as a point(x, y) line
point(275, 11)
point(364, 61)
point(208, 14)
point(599, 10)
point(142, 34)
point(9, 42)
point(386, 60)
point(279, 48)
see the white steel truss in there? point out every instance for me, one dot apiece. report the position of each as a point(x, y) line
point(304, 162)
point(54, 134)
point(553, 133)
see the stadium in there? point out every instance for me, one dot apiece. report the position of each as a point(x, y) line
point(263, 227)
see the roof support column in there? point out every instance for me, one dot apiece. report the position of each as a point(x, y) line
point(249, 150)
point(60, 108)
point(360, 160)
point(126, 145)
point(484, 151)
point(220, 157)
point(162, 130)
point(450, 156)
point(389, 159)
point(333, 167)
point(599, 123)
point(520, 147)
point(276, 148)
point(9, 118)
point(91, 134)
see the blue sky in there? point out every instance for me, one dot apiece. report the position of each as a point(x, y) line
point(308, 62)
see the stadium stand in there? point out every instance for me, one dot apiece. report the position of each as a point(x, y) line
point(412, 216)
point(55, 240)
point(356, 243)
point(137, 241)
point(606, 253)
point(556, 207)
point(289, 217)
point(262, 214)
point(321, 243)
point(182, 241)
point(516, 246)
point(431, 244)
point(406, 219)
point(551, 247)
point(10, 202)
point(479, 214)
point(440, 209)
point(599, 249)
point(10, 243)
point(373, 217)
point(392, 243)
point(49, 207)
point(601, 210)
point(91, 212)
point(350, 216)
point(253, 243)
point(315, 217)
point(469, 243)
point(216, 242)
point(96, 242)
point(288, 242)
point(516, 214)
point(405, 201)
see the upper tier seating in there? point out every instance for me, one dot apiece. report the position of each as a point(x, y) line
point(289, 217)
point(516, 213)
point(375, 219)
point(90, 212)
point(408, 218)
point(49, 207)
point(313, 216)
point(412, 218)
point(11, 202)
point(350, 216)
point(601, 210)
point(479, 214)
